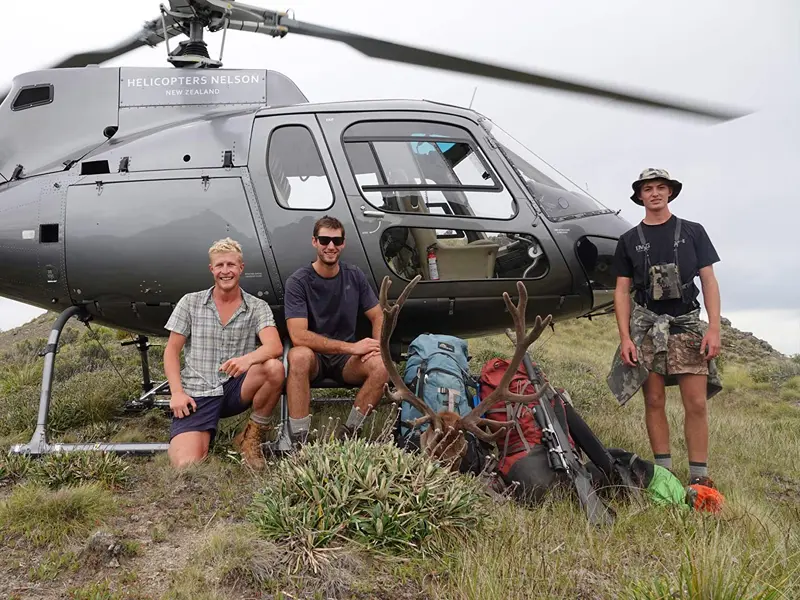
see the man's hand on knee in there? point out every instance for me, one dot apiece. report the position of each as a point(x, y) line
point(371, 355)
point(366, 347)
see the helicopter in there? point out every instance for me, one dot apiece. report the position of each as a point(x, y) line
point(115, 181)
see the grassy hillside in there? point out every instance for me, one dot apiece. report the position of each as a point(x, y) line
point(105, 527)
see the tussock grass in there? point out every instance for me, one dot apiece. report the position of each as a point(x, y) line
point(238, 557)
point(13, 467)
point(66, 468)
point(374, 494)
point(44, 517)
point(62, 469)
point(14, 379)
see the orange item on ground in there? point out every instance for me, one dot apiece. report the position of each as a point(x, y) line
point(705, 498)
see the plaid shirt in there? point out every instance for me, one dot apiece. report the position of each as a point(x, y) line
point(209, 343)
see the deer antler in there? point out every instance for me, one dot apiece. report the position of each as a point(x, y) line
point(472, 421)
point(390, 314)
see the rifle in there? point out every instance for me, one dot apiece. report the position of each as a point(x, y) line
point(559, 451)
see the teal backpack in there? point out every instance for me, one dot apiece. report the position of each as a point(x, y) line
point(437, 371)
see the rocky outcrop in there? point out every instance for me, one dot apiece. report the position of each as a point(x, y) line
point(743, 345)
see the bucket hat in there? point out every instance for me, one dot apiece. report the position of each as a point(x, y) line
point(649, 174)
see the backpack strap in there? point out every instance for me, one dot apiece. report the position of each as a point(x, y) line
point(421, 371)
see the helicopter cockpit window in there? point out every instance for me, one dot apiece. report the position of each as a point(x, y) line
point(296, 171)
point(410, 166)
point(557, 196)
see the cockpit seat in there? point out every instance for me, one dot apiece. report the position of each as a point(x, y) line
point(475, 260)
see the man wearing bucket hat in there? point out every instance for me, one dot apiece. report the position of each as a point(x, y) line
point(663, 342)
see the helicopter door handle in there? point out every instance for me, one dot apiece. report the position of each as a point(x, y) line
point(372, 213)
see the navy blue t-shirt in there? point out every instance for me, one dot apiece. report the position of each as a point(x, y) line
point(331, 305)
point(695, 251)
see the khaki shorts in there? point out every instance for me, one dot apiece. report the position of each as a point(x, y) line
point(683, 355)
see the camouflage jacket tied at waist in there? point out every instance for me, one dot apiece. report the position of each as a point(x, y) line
point(625, 381)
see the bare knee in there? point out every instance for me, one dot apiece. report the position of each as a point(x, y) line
point(695, 406)
point(301, 360)
point(376, 370)
point(274, 373)
point(655, 399)
point(257, 374)
point(184, 460)
point(188, 448)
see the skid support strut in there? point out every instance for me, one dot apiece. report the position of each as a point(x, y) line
point(142, 344)
point(39, 444)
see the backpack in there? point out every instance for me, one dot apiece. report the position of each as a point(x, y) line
point(526, 433)
point(437, 371)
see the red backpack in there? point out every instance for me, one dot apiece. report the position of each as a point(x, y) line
point(526, 433)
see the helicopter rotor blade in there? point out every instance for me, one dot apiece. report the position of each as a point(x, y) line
point(378, 48)
point(151, 34)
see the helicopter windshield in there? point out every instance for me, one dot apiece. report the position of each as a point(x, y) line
point(535, 172)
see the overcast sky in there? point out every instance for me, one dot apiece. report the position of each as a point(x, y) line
point(738, 176)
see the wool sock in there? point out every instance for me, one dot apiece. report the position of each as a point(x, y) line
point(354, 420)
point(664, 460)
point(300, 426)
point(697, 469)
point(260, 419)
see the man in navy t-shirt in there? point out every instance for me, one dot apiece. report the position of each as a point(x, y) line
point(322, 303)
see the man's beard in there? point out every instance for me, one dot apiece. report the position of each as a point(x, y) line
point(329, 259)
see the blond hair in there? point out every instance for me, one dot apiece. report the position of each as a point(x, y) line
point(225, 245)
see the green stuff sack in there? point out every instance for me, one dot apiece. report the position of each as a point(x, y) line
point(661, 486)
point(665, 488)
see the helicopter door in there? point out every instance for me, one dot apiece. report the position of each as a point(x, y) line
point(431, 197)
point(296, 184)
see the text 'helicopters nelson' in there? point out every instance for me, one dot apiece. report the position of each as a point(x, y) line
point(115, 181)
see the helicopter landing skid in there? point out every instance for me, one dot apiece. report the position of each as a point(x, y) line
point(39, 444)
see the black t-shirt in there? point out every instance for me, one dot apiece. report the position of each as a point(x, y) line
point(331, 304)
point(695, 251)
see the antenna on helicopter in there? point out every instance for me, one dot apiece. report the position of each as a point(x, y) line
point(475, 91)
point(191, 17)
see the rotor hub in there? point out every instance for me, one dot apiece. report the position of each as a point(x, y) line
point(192, 53)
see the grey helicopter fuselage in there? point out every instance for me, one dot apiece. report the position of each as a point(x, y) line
point(114, 182)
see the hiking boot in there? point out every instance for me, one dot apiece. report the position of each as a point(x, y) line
point(343, 432)
point(302, 437)
point(705, 481)
point(248, 444)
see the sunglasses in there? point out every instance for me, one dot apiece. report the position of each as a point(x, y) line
point(326, 239)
